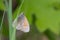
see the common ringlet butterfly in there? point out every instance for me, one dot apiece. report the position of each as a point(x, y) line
point(21, 23)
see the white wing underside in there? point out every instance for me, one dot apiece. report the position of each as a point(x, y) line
point(20, 25)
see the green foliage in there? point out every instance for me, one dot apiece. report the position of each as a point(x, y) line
point(2, 6)
point(50, 34)
point(5, 30)
point(47, 13)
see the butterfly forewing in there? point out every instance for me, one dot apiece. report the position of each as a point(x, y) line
point(22, 23)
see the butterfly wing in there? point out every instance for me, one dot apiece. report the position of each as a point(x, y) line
point(22, 23)
point(25, 25)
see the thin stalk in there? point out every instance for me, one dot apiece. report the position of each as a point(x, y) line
point(18, 10)
point(2, 20)
point(1, 25)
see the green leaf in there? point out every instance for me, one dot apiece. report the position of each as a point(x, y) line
point(2, 6)
point(47, 13)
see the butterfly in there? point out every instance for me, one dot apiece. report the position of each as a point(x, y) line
point(21, 23)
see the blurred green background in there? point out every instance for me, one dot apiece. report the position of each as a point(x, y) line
point(43, 17)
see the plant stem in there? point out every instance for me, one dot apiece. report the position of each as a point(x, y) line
point(10, 18)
